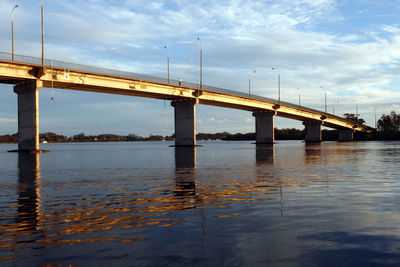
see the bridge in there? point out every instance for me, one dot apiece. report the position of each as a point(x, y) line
point(28, 75)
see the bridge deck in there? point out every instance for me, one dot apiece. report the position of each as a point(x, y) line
point(63, 75)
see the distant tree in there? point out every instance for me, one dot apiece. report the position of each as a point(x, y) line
point(79, 136)
point(289, 134)
point(133, 137)
point(155, 138)
point(52, 137)
point(353, 117)
point(9, 138)
point(389, 123)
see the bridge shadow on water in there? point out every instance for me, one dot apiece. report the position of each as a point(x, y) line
point(265, 154)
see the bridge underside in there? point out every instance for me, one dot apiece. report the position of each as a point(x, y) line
point(26, 77)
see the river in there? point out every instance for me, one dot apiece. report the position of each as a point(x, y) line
point(224, 203)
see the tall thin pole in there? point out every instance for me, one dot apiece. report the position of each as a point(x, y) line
point(42, 37)
point(357, 112)
point(12, 32)
point(201, 63)
point(299, 95)
point(326, 106)
point(279, 84)
point(254, 71)
point(166, 47)
point(249, 87)
point(168, 69)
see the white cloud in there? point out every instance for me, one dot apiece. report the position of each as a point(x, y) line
point(8, 120)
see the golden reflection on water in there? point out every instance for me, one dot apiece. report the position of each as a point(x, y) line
point(71, 219)
point(26, 226)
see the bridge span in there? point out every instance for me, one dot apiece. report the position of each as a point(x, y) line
point(28, 76)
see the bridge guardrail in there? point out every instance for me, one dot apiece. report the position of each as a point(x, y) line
point(125, 74)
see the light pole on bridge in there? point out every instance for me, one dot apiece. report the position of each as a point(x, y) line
point(374, 108)
point(166, 47)
point(326, 103)
point(298, 89)
point(12, 32)
point(254, 71)
point(357, 112)
point(279, 84)
point(201, 63)
point(42, 37)
point(333, 106)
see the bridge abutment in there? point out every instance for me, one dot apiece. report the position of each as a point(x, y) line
point(28, 116)
point(313, 131)
point(264, 127)
point(345, 134)
point(185, 122)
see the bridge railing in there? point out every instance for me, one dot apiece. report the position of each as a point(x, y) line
point(144, 77)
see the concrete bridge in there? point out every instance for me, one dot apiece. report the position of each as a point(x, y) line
point(28, 76)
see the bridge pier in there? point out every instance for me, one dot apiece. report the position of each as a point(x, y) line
point(345, 134)
point(264, 127)
point(28, 116)
point(185, 122)
point(313, 130)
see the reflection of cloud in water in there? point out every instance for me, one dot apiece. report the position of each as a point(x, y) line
point(354, 249)
point(285, 204)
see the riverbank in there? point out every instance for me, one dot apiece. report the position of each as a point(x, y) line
point(280, 134)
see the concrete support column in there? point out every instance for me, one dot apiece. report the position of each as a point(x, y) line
point(28, 116)
point(313, 131)
point(345, 134)
point(264, 127)
point(185, 122)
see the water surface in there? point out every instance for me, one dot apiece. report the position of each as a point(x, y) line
point(225, 203)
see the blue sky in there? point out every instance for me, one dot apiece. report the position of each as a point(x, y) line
point(350, 49)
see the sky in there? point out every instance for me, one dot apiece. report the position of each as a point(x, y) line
point(348, 49)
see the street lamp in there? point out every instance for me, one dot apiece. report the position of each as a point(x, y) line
point(279, 84)
point(354, 101)
point(333, 107)
point(374, 108)
point(42, 39)
point(201, 63)
point(12, 32)
point(298, 89)
point(254, 71)
point(166, 47)
point(326, 106)
point(356, 110)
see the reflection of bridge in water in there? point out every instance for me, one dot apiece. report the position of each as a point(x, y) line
point(55, 219)
point(29, 76)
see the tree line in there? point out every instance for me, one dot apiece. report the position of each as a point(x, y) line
point(280, 134)
point(388, 128)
